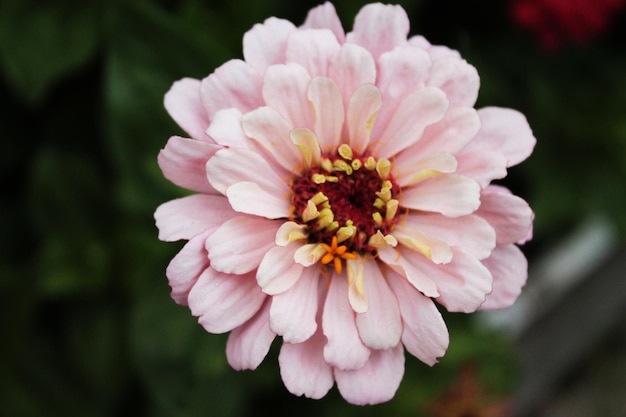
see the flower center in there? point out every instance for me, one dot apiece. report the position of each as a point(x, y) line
point(347, 203)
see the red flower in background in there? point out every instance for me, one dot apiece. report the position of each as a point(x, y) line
point(557, 21)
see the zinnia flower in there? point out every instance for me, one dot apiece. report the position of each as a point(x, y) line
point(343, 186)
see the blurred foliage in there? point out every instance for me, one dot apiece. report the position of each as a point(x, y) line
point(86, 322)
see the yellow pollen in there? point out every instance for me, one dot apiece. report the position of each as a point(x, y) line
point(310, 212)
point(343, 166)
point(318, 178)
point(335, 254)
point(356, 164)
point(331, 178)
point(392, 209)
point(383, 167)
point(327, 165)
point(345, 151)
point(326, 218)
point(370, 163)
point(319, 198)
point(378, 219)
point(379, 203)
point(346, 232)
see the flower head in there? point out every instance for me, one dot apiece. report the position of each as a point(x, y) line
point(343, 188)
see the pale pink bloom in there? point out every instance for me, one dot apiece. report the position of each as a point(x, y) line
point(343, 186)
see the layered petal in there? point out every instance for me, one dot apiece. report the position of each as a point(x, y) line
point(471, 233)
point(249, 343)
point(328, 110)
point(239, 244)
point(509, 215)
point(418, 110)
point(351, 68)
point(186, 217)
point(293, 312)
point(458, 79)
point(182, 161)
point(377, 381)
point(424, 332)
point(278, 270)
point(184, 105)
point(506, 132)
point(344, 349)
point(303, 369)
point(380, 327)
point(324, 16)
point(292, 81)
point(185, 268)
point(380, 28)
point(509, 268)
point(265, 44)
point(451, 195)
point(313, 49)
point(223, 302)
point(234, 84)
point(362, 111)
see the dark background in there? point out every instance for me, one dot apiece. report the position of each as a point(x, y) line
point(87, 327)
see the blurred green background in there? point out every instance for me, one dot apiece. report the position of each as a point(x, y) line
point(87, 325)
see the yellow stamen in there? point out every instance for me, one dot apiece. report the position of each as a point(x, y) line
point(370, 163)
point(318, 178)
point(331, 178)
point(378, 219)
point(326, 218)
point(343, 166)
point(392, 209)
point(346, 232)
point(383, 167)
point(356, 164)
point(319, 198)
point(327, 165)
point(345, 151)
point(310, 212)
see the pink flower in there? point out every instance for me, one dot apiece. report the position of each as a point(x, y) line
point(343, 186)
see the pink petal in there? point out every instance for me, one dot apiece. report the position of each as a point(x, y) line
point(183, 162)
point(278, 270)
point(250, 198)
point(471, 233)
point(448, 194)
point(457, 128)
point(186, 217)
point(231, 166)
point(380, 28)
point(249, 343)
point(413, 239)
point(285, 90)
point(362, 110)
point(351, 68)
point(272, 132)
point(418, 110)
point(509, 268)
point(265, 44)
point(303, 369)
point(462, 283)
point(324, 16)
point(223, 301)
point(425, 335)
point(402, 71)
point(185, 268)
point(344, 349)
point(508, 214)
point(408, 264)
point(505, 131)
point(226, 130)
point(412, 171)
point(293, 312)
point(238, 245)
point(482, 166)
point(183, 103)
point(328, 109)
point(377, 381)
point(313, 49)
point(234, 84)
point(458, 79)
point(380, 327)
